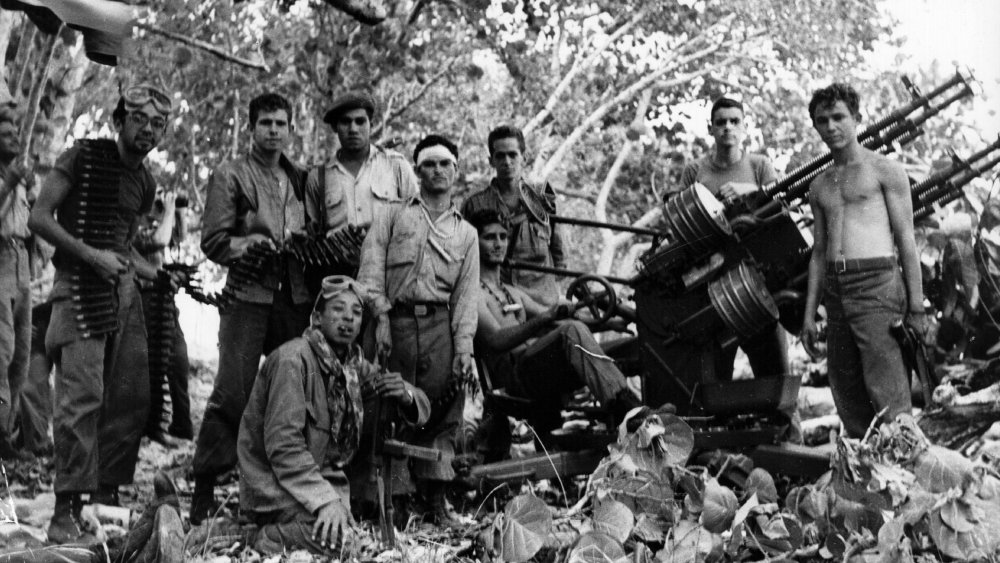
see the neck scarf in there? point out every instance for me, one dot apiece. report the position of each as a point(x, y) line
point(343, 397)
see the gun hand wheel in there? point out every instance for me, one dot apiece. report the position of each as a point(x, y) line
point(595, 294)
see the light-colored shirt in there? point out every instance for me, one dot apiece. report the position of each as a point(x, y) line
point(385, 178)
point(751, 169)
point(14, 209)
point(409, 258)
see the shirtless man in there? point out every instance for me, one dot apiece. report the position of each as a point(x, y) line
point(865, 259)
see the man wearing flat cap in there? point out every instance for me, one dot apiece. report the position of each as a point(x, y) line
point(302, 425)
point(420, 262)
point(97, 334)
point(362, 177)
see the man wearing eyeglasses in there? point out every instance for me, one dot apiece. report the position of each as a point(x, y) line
point(256, 199)
point(102, 381)
point(420, 262)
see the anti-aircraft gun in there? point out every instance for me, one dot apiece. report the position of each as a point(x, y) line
point(720, 274)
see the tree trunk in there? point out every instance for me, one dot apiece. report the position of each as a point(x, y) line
point(43, 63)
point(68, 72)
point(8, 21)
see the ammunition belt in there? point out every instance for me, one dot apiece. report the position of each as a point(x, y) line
point(340, 250)
point(161, 323)
point(90, 213)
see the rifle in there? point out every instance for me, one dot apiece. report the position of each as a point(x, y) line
point(385, 512)
point(384, 448)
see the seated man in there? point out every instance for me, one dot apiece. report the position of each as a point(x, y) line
point(536, 352)
point(303, 423)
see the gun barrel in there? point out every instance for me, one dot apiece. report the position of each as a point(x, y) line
point(897, 126)
point(601, 225)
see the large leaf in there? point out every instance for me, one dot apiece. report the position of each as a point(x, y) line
point(650, 529)
point(660, 442)
point(595, 547)
point(914, 510)
point(761, 483)
point(982, 540)
point(527, 520)
point(939, 469)
point(718, 507)
point(690, 543)
point(614, 519)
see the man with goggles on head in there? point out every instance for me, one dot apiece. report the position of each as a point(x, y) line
point(102, 381)
point(421, 263)
point(303, 425)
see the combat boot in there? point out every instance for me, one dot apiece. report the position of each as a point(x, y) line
point(64, 527)
point(106, 495)
point(203, 499)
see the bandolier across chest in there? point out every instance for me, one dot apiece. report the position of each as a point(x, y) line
point(90, 213)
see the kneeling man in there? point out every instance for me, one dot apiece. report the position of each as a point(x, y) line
point(303, 424)
point(537, 352)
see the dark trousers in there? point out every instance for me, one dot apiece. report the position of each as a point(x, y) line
point(560, 362)
point(865, 363)
point(284, 531)
point(767, 353)
point(15, 329)
point(102, 394)
point(36, 396)
point(246, 331)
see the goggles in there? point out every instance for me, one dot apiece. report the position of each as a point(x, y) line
point(333, 286)
point(141, 94)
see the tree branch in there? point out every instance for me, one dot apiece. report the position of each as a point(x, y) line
point(577, 67)
point(626, 95)
point(199, 44)
point(416, 97)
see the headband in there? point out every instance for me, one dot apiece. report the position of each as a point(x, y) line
point(438, 152)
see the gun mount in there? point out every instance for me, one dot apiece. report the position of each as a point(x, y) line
point(720, 274)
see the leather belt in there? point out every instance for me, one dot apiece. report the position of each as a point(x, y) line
point(419, 309)
point(842, 265)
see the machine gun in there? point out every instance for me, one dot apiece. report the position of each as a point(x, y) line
point(702, 230)
point(946, 185)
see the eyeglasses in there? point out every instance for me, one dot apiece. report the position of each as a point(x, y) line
point(143, 94)
point(140, 119)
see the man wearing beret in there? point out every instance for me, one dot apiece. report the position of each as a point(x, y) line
point(420, 262)
point(256, 200)
point(362, 178)
point(302, 425)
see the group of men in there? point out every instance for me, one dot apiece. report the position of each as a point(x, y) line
point(434, 290)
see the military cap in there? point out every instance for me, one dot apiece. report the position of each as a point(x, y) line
point(347, 102)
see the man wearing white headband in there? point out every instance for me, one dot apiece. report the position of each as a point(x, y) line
point(302, 426)
point(421, 263)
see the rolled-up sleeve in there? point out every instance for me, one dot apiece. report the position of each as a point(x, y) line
point(220, 240)
point(285, 419)
point(465, 297)
point(372, 271)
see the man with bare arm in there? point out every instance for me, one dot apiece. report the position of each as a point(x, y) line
point(864, 259)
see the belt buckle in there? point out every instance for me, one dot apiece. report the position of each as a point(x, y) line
point(421, 310)
point(840, 265)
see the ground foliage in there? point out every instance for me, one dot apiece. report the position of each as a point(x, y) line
point(891, 497)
